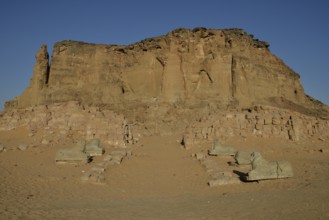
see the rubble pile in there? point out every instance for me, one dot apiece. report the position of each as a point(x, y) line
point(235, 172)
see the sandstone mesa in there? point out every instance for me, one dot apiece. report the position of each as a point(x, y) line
point(202, 83)
point(121, 116)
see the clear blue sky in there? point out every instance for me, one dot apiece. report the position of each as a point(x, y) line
point(298, 31)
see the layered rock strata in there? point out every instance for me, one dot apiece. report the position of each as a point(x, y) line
point(161, 84)
point(188, 68)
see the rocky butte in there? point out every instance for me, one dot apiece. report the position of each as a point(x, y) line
point(205, 83)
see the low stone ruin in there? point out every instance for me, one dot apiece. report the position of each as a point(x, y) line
point(58, 122)
point(260, 121)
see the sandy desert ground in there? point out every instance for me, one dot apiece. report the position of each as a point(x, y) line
point(161, 180)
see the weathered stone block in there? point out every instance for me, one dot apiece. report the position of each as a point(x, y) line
point(268, 119)
point(224, 180)
point(107, 158)
point(243, 157)
point(72, 155)
point(276, 120)
point(259, 126)
point(221, 150)
point(200, 156)
point(22, 147)
point(263, 169)
point(93, 148)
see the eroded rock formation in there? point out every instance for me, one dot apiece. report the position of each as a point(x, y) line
point(164, 83)
point(185, 65)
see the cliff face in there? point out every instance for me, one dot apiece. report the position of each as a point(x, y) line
point(187, 68)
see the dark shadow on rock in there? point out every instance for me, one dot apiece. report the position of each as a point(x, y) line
point(232, 164)
point(242, 176)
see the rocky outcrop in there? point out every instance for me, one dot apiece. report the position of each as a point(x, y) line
point(33, 94)
point(164, 83)
point(187, 69)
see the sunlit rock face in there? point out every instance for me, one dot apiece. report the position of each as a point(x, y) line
point(181, 75)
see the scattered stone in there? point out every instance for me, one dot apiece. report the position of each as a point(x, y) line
point(263, 169)
point(117, 159)
point(22, 147)
point(2, 148)
point(129, 154)
point(44, 141)
point(107, 158)
point(243, 157)
point(111, 163)
point(97, 169)
point(219, 174)
point(221, 150)
point(209, 164)
point(97, 179)
point(122, 153)
point(93, 148)
point(232, 164)
point(224, 180)
point(86, 176)
point(200, 156)
point(94, 175)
